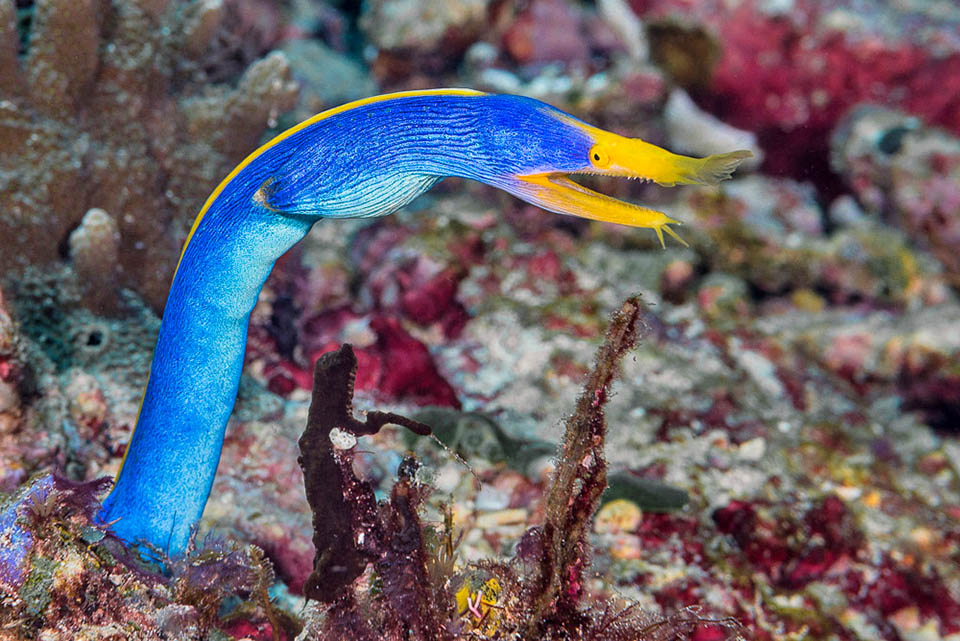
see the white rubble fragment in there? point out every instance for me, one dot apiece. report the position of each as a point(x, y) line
point(693, 131)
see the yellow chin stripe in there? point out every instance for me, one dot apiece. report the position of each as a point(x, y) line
point(559, 194)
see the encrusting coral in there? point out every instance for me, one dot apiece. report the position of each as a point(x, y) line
point(110, 106)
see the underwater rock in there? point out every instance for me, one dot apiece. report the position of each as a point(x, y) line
point(723, 298)
point(327, 78)
point(416, 40)
point(110, 107)
point(907, 173)
point(63, 578)
point(770, 232)
point(52, 559)
point(620, 18)
point(246, 30)
point(258, 498)
point(789, 71)
point(692, 131)
point(81, 391)
point(419, 25)
point(28, 401)
point(914, 356)
point(11, 375)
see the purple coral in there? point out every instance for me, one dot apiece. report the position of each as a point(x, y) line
point(16, 541)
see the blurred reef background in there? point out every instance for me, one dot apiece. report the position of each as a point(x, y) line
point(783, 443)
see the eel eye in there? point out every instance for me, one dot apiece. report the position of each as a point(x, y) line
point(599, 157)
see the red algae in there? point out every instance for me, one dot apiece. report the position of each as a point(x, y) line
point(792, 75)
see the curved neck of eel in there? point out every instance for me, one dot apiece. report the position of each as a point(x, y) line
point(171, 460)
point(365, 162)
point(172, 457)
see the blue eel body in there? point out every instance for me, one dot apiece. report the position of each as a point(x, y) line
point(362, 160)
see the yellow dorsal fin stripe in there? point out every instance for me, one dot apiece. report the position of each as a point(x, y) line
point(306, 123)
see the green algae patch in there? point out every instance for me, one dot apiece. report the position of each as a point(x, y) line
point(35, 591)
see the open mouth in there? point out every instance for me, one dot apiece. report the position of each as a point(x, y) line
point(556, 192)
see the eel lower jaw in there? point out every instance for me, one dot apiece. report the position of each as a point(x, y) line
point(557, 192)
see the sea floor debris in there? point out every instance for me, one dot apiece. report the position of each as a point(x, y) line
point(783, 445)
point(384, 573)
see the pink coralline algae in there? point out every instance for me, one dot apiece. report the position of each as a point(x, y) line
point(825, 545)
point(791, 75)
point(248, 631)
point(421, 290)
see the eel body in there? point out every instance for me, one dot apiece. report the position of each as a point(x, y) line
point(364, 159)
